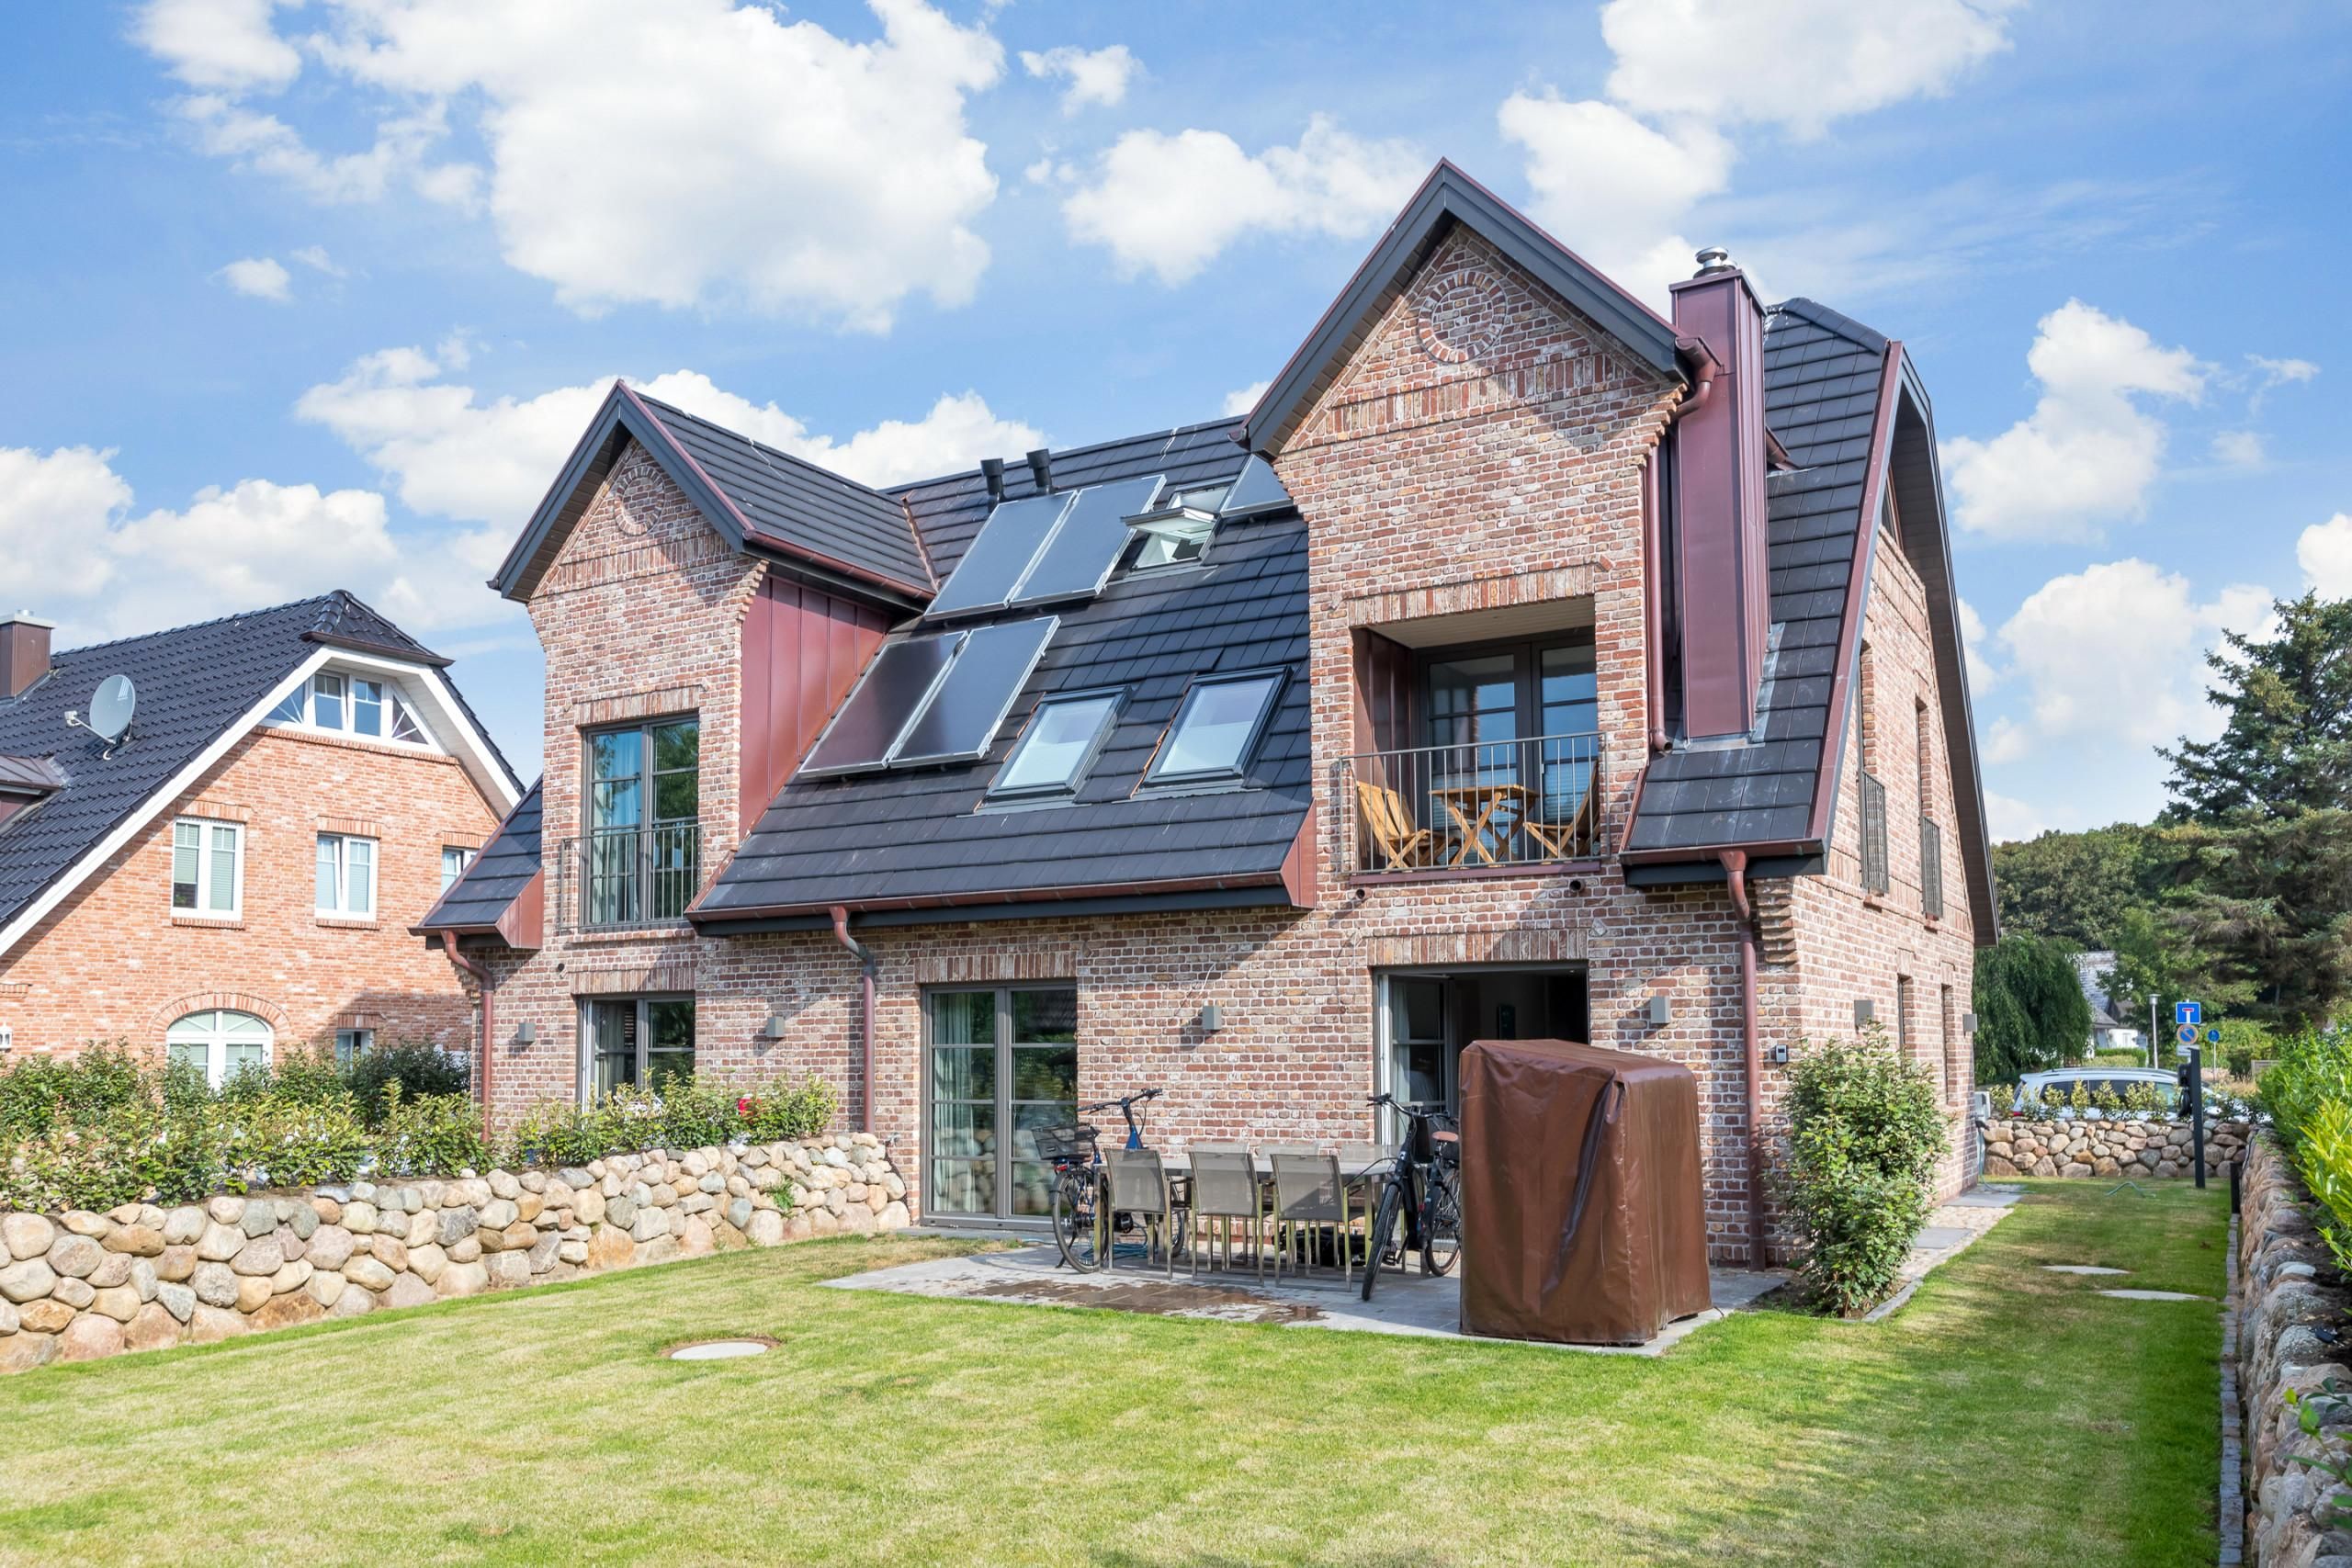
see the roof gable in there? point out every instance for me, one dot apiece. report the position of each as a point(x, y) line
point(1446, 199)
point(754, 496)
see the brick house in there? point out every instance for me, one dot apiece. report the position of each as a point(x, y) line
point(235, 873)
point(1525, 663)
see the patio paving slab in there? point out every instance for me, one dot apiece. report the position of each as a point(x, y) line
point(1407, 1303)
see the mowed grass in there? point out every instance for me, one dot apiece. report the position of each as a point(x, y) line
point(2006, 1414)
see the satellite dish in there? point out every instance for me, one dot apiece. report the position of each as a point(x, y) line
point(111, 707)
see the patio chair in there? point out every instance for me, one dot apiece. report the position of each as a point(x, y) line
point(1139, 1187)
point(1390, 826)
point(1309, 1192)
point(1364, 1170)
point(1225, 1188)
point(1562, 840)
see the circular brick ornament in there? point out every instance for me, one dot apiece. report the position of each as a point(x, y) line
point(637, 489)
point(1453, 314)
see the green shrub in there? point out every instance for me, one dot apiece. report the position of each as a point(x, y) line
point(1864, 1135)
point(772, 1115)
point(434, 1134)
point(684, 1113)
point(421, 1071)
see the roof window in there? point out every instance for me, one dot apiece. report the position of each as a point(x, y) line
point(1216, 730)
point(1061, 741)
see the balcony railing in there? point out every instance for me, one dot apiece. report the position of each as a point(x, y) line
point(1875, 878)
point(625, 878)
point(1469, 806)
point(1932, 869)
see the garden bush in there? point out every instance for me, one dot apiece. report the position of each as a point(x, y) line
point(685, 1112)
point(1864, 1135)
point(421, 1071)
point(2308, 1096)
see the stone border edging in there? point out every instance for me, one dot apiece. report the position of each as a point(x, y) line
point(2231, 1509)
point(2288, 1292)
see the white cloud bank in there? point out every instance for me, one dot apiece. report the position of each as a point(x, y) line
point(2324, 552)
point(258, 278)
point(1097, 78)
point(2088, 453)
point(691, 154)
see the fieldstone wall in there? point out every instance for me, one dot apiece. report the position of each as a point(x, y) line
point(79, 1285)
point(2118, 1146)
point(2292, 1309)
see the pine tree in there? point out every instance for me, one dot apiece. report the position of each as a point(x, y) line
point(2288, 746)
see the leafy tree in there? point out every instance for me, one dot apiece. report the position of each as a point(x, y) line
point(2288, 745)
point(2031, 1011)
point(2076, 886)
point(2267, 908)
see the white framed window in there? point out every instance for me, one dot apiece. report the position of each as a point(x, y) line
point(454, 861)
point(346, 875)
point(345, 704)
point(208, 867)
point(350, 1044)
point(219, 1042)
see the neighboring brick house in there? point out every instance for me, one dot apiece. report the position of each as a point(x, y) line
point(1524, 663)
point(235, 874)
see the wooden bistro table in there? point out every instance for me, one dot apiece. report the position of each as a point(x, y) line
point(1472, 808)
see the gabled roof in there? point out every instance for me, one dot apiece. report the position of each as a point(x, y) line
point(915, 839)
point(1447, 197)
point(199, 688)
point(756, 497)
point(479, 900)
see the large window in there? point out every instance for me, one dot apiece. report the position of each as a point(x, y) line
point(208, 867)
point(1004, 1062)
point(352, 704)
point(635, 1040)
point(1061, 740)
point(219, 1042)
point(346, 876)
point(1216, 730)
point(644, 821)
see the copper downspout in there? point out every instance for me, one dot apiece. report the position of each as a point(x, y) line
point(1735, 863)
point(864, 956)
point(482, 980)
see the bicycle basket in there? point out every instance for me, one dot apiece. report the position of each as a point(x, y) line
point(1064, 1145)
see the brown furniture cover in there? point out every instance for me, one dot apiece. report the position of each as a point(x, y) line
point(1583, 1217)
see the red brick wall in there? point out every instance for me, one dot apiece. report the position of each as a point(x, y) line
point(114, 962)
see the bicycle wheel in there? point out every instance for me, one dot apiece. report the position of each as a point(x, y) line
point(1386, 1242)
point(1079, 1219)
point(1441, 1220)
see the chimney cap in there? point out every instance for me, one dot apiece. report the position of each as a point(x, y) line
point(26, 618)
point(1714, 259)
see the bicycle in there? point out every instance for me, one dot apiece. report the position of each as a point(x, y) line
point(1421, 1202)
point(1083, 1227)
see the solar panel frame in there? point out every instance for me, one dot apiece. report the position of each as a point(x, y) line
point(973, 686)
point(891, 674)
point(971, 589)
point(1257, 491)
point(1087, 542)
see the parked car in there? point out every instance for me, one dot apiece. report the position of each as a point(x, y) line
point(2118, 1081)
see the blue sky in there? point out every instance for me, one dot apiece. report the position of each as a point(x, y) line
point(316, 295)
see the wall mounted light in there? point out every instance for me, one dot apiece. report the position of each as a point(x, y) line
point(1968, 1023)
point(525, 1032)
point(1865, 1010)
point(774, 1027)
point(1212, 1018)
point(1658, 1011)
point(8, 1038)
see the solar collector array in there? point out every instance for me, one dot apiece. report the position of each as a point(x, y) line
point(938, 698)
point(1045, 548)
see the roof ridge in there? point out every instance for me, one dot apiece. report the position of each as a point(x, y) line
point(761, 447)
point(1168, 433)
point(199, 625)
point(1832, 320)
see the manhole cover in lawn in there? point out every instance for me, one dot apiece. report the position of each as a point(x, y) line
point(2080, 1269)
point(719, 1349)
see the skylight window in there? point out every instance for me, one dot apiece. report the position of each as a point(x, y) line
point(1060, 741)
point(1216, 730)
point(1175, 532)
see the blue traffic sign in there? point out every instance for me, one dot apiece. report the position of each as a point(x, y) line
point(2186, 1034)
point(2212, 1037)
point(2188, 1012)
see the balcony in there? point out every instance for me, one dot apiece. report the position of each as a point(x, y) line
point(628, 878)
point(1469, 808)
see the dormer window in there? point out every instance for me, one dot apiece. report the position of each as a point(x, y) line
point(1174, 532)
point(347, 704)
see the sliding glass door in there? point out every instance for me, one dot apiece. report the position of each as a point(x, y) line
point(1002, 1061)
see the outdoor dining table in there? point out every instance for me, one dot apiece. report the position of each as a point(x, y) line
point(1484, 799)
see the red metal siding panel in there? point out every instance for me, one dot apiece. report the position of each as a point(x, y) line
point(802, 651)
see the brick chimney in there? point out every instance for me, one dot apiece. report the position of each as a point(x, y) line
point(23, 651)
point(1720, 530)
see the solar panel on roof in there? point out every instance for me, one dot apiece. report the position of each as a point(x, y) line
point(887, 700)
point(1093, 534)
point(964, 714)
point(1256, 491)
point(999, 553)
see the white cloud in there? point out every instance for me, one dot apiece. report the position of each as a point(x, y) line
point(2011, 818)
point(48, 505)
point(2324, 552)
point(2279, 372)
point(260, 278)
point(315, 257)
point(1241, 400)
point(1168, 205)
point(2240, 448)
point(1981, 675)
point(448, 454)
point(1828, 58)
point(694, 154)
point(1096, 77)
point(2088, 454)
point(220, 45)
point(1612, 188)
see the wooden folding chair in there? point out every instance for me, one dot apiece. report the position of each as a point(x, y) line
point(1561, 841)
point(1390, 826)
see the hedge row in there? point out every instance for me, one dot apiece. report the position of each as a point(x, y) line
point(2308, 1096)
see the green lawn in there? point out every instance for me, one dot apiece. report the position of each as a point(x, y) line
point(2005, 1416)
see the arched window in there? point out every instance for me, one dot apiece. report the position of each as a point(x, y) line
point(219, 1042)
